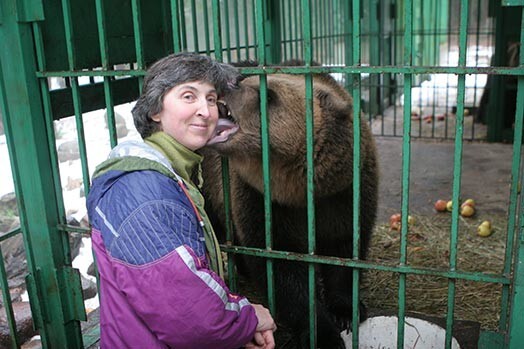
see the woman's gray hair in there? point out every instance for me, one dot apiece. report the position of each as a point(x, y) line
point(173, 70)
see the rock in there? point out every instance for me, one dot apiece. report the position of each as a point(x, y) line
point(15, 261)
point(120, 124)
point(89, 289)
point(74, 183)
point(91, 270)
point(7, 222)
point(24, 324)
point(68, 151)
point(8, 204)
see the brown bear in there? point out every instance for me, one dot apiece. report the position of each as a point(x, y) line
point(239, 139)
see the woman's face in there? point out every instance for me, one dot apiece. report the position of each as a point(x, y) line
point(189, 113)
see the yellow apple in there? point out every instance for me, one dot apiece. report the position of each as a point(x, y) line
point(467, 211)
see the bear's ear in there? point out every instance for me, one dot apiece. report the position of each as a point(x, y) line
point(332, 105)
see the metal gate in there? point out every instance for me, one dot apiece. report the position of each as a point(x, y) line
point(66, 58)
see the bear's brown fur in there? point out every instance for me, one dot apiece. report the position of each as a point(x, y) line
point(333, 182)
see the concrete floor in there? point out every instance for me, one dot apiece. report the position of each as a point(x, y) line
point(486, 175)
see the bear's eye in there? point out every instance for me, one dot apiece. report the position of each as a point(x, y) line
point(272, 96)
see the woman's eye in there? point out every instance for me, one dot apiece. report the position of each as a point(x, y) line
point(212, 101)
point(188, 97)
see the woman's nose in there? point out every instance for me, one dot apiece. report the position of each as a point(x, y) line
point(204, 108)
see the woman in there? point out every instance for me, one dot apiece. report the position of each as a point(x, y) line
point(161, 274)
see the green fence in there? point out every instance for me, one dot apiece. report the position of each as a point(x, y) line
point(62, 59)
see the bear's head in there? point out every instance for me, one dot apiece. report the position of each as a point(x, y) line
point(239, 135)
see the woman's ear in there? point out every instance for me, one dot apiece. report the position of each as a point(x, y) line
point(156, 117)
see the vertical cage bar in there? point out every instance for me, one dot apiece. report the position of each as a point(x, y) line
point(259, 21)
point(457, 170)
point(310, 197)
point(237, 30)
point(246, 30)
point(206, 27)
point(182, 27)
point(175, 25)
point(515, 334)
point(228, 31)
point(194, 26)
point(104, 57)
point(39, 51)
point(11, 320)
point(29, 146)
point(77, 102)
point(7, 305)
point(137, 31)
point(217, 31)
point(356, 93)
point(406, 163)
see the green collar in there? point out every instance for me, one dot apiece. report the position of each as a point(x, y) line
point(183, 160)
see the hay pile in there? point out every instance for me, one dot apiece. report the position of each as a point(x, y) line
point(428, 246)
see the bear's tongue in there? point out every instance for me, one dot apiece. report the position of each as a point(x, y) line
point(224, 129)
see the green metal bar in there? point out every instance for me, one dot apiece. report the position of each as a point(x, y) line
point(515, 334)
point(104, 57)
point(374, 58)
point(406, 161)
point(246, 30)
point(348, 69)
point(8, 306)
point(356, 93)
point(77, 104)
point(227, 25)
point(39, 50)
point(137, 31)
point(477, 42)
point(457, 169)
point(348, 42)
point(237, 30)
point(182, 16)
point(297, 26)
point(194, 26)
point(217, 32)
point(365, 265)
point(266, 171)
point(10, 234)
point(175, 25)
point(31, 163)
point(46, 104)
point(310, 194)
point(10, 316)
point(285, 27)
point(206, 27)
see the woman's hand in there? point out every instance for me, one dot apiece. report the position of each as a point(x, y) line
point(263, 338)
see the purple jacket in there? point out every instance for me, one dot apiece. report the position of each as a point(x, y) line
point(156, 288)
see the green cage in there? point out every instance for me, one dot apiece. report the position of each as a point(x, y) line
point(425, 74)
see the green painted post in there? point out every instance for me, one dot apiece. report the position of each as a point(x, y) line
point(515, 334)
point(50, 291)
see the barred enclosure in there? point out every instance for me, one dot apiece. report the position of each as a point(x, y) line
point(440, 84)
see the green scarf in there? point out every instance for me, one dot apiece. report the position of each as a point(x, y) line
point(184, 162)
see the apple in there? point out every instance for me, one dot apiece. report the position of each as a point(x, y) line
point(394, 218)
point(395, 226)
point(467, 211)
point(469, 202)
point(411, 220)
point(487, 224)
point(484, 230)
point(440, 205)
point(449, 205)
